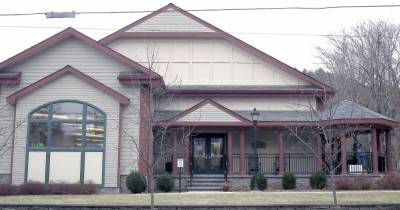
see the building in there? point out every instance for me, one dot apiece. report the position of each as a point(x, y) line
point(77, 110)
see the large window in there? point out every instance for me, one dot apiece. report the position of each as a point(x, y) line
point(66, 143)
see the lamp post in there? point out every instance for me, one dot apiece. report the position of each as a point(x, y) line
point(254, 116)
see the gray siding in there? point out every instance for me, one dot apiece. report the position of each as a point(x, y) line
point(97, 65)
point(170, 21)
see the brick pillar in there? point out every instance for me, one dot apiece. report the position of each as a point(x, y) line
point(187, 151)
point(374, 140)
point(388, 152)
point(174, 152)
point(281, 153)
point(242, 163)
point(229, 148)
point(343, 152)
point(318, 152)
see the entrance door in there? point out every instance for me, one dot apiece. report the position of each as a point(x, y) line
point(208, 153)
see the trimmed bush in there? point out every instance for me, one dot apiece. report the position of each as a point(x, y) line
point(37, 188)
point(289, 181)
point(136, 182)
point(318, 180)
point(354, 183)
point(258, 181)
point(389, 182)
point(7, 189)
point(165, 182)
point(225, 186)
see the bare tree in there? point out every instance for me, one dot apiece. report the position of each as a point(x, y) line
point(366, 58)
point(156, 97)
point(323, 125)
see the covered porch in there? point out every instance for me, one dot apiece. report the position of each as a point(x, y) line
point(231, 152)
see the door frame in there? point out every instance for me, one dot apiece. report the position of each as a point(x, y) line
point(208, 137)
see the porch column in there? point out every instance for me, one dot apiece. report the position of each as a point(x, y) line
point(388, 152)
point(186, 141)
point(374, 140)
point(281, 153)
point(229, 148)
point(174, 152)
point(242, 154)
point(343, 152)
point(319, 152)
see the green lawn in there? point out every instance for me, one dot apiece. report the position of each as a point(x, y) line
point(295, 197)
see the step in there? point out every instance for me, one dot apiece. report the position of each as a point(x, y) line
point(206, 184)
point(207, 180)
point(204, 188)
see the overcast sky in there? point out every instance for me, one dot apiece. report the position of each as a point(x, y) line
point(295, 50)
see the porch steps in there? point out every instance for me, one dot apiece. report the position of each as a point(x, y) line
point(206, 183)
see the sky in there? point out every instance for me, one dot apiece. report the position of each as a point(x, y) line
point(263, 29)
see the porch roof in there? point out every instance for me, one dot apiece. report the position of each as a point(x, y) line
point(346, 110)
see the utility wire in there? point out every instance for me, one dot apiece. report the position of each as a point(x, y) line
point(237, 32)
point(224, 9)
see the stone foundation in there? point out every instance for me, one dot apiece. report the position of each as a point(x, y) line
point(5, 179)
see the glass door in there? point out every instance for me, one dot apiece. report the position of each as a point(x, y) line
point(208, 153)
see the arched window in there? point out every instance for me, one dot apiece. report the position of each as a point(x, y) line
point(66, 143)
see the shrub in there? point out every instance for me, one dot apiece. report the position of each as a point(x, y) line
point(71, 189)
point(33, 188)
point(289, 181)
point(389, 182)
point(136, 182)
point(318, 180)
point(7, 189)
point(258, 181)
point(354, 183)
point(225, 186)
point(165, 183)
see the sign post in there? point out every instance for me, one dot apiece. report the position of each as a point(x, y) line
point(180, 166)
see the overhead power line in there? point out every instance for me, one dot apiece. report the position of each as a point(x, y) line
point(232, 32)
point(222, 9)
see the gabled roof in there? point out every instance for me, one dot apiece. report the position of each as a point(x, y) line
point(12, 99)
point(231, 117)
point(68, 33)
point(215, 33)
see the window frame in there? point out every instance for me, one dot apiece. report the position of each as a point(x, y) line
point(49, 148)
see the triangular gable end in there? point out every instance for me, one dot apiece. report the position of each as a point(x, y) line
point(66, 34)
point(131, 30)
point(13, 98)
point(211, 112)
point(170, 20)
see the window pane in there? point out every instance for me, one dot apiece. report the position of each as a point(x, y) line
point(67, 111)
point(41, 114)
point(66, 135)
point(93, 167)
point(94, 114)
point(38, 135)
point(95, 135)
point(65, 167)
point(36, 167)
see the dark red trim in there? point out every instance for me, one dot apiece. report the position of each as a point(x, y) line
point(242, 156)
point(13, 142)
point(65, 34)
point(230, 152)
point(374, 142)
point(10, 78)
point(343, 156)
point(12, 99)
point(144, 130)
point(281, 153)
point(218, 33)
point(199, 92)
point(174, 120)
point(119, 145)
point(388, 151)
